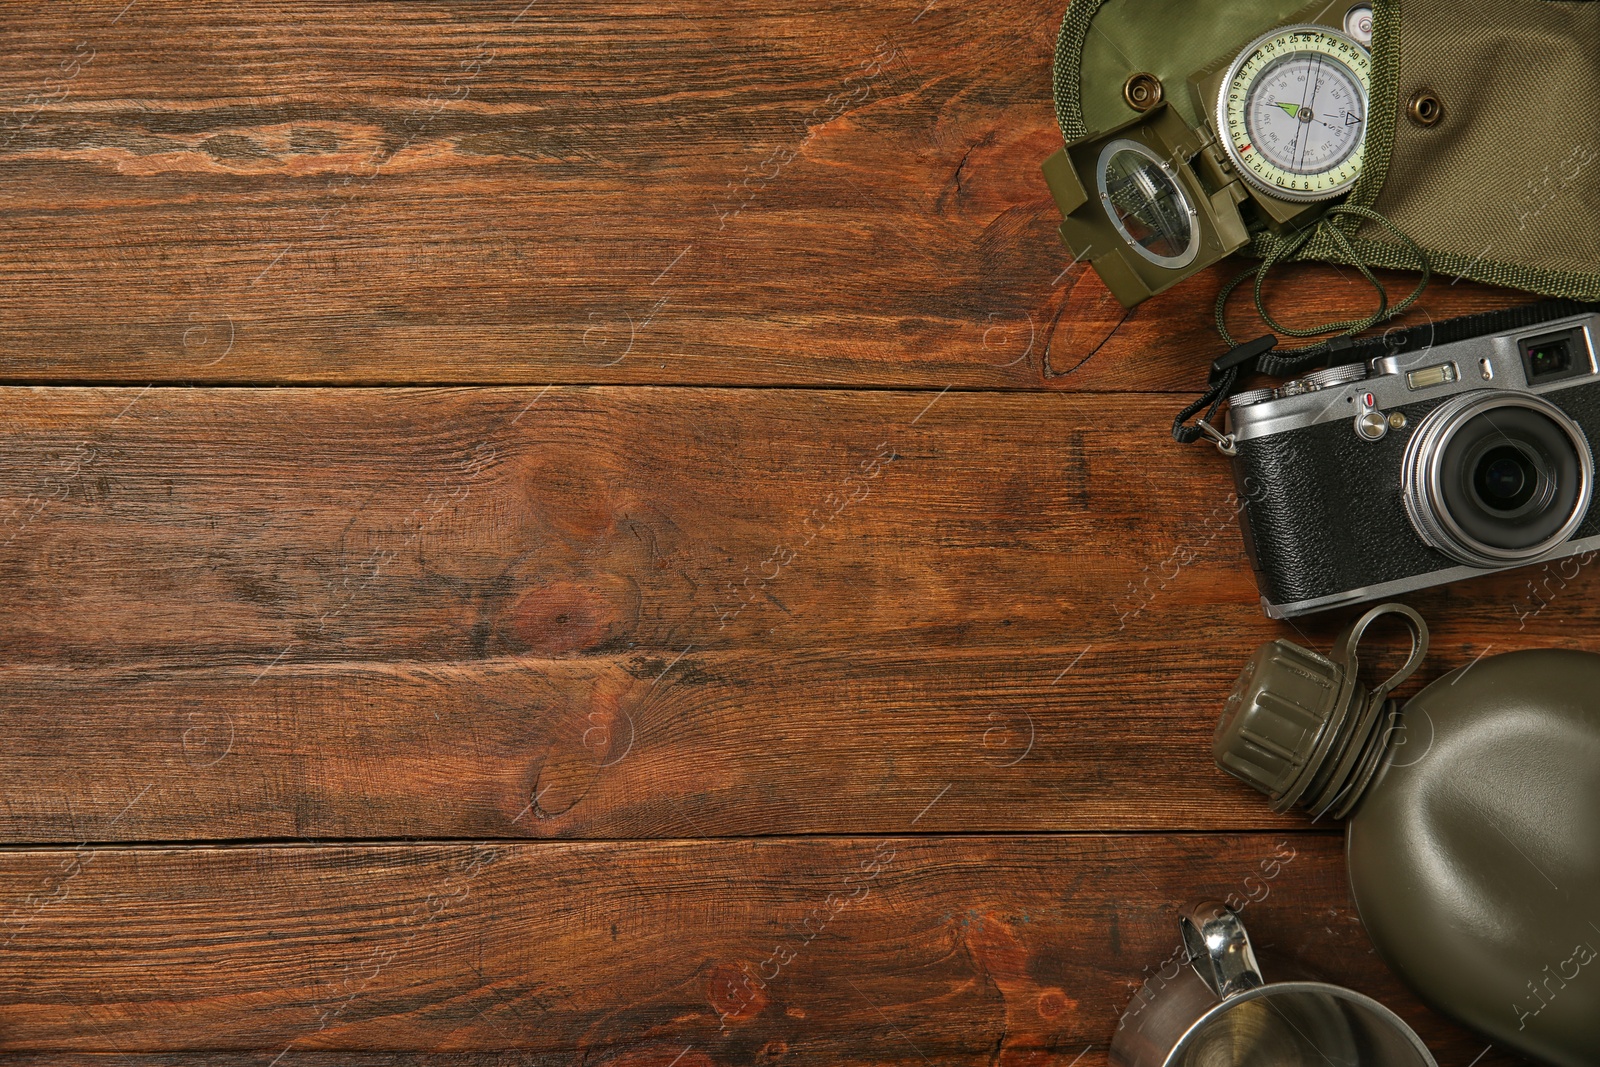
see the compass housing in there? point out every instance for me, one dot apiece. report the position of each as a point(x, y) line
point(1156, 197)
point(1236, 97)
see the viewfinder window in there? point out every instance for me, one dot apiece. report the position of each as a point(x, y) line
point(1556, 356)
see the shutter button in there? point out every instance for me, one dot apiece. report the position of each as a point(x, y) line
point(1371, 424)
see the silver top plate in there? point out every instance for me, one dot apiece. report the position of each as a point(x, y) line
point(1490, 362)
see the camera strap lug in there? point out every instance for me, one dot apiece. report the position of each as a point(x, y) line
point(1223, 441)
point(1224, 372)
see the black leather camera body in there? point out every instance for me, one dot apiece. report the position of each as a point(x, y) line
point(1462, 449)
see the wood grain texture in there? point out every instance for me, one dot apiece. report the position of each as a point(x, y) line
point(723, 745)
point(234, 527)
point(958, 951)
point(285, 673)
point(730, 193)
point(349, 614)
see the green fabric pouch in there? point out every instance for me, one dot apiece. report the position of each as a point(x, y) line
point(1482, 143)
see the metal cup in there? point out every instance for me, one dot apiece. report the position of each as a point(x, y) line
point(1217, 1011)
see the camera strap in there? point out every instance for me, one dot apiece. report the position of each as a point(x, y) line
point(1262, 354)
point(1259, 355)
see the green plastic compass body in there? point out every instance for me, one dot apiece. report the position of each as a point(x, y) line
point(1292, 112)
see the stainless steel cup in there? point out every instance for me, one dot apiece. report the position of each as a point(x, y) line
point(1215, 1010)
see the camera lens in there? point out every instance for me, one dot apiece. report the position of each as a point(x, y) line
point(1494, 479)
point(1506, 478)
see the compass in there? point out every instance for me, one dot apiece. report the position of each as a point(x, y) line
point(1292, 112)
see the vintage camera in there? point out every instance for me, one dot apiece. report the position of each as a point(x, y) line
point(1264, 136)
point(1457, 449)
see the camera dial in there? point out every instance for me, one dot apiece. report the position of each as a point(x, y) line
point(1251, 396)
point(1340, 375)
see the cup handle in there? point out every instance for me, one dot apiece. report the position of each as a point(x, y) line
point(1219, 949)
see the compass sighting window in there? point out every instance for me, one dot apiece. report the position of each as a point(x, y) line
point(1147, 205)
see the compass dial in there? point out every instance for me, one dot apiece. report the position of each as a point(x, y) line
point(1293, 112)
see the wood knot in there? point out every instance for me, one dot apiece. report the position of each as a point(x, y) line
point(1053, 1002)
point(585, 737)
point(734, 993)
point(566, 618)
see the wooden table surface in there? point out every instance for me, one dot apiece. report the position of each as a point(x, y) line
point(612, 534)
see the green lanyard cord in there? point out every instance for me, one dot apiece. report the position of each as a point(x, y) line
point(1282, 250)
point(1262, 353)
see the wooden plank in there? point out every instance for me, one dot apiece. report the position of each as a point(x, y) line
point(252, 527)
point(262, 527)
point(718, 745)
point(958, 950)
point(729, 193)
point(349, 614)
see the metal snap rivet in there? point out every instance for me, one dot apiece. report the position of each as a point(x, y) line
point(1142, 91)
point(1425, 109)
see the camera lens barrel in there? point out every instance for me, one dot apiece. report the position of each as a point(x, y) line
point(1494, 479)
